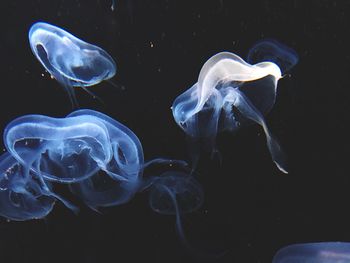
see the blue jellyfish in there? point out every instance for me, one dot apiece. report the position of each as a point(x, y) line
point(99, 158)
point(24, 195)
point(71, 61)
point(176, 193)
point(62, 150)
point(229, 93)
point(324, 252)
point(179, 193)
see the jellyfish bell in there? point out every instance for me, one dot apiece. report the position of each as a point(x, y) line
point(61, 150)
point(70, 60)
point(23, 194)
point(175, 193)
point(322, 252)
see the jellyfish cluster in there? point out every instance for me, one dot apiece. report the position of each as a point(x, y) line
point(101, 161)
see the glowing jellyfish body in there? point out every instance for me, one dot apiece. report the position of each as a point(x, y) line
point(325, 252)
point(62, 150)
point(71, 61)
point(99, 157)
point(230, 93)
point(22, 196)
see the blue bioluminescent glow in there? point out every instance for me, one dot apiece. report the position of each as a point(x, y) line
point(71, 61)
point(229, 93)
point(100, 158)
point(324, 252)
point(22, 196)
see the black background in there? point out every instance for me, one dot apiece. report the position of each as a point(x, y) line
point(250, 208)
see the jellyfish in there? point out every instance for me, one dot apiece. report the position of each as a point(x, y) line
point(176, 193)
point(24, 195)
point(71, 61)
point(323, 252)
point(274, 51)
point(100, 159)
point(229, 93)
point(62, 150)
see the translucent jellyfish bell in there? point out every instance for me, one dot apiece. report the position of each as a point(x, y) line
point(23, 194)
point(175, 193)
point(71, 61)
point(62, 150)
point(178, 193)
point(229, 93)
point(21, 197)
point(324, 252)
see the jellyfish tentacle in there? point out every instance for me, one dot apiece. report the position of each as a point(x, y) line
point(243, 104)
point(197, 253)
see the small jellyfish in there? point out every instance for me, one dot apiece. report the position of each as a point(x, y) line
point(176, 193)
point(24, 195)
point(273, 51)
point(71, 61)
point(229, 93)
point(324, 252)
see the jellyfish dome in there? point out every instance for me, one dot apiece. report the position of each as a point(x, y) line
point(175, 193)
point(70, 60)
point(323, 252)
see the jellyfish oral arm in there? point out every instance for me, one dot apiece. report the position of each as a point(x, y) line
point(242, 103)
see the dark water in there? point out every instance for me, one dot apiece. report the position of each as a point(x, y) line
point(250, 208)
